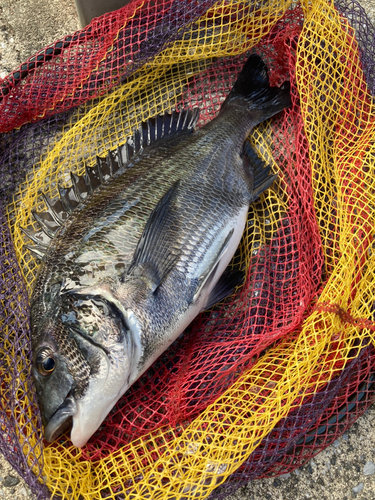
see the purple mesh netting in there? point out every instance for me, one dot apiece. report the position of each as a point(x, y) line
point(311, 427)
point(15, 333)
point(365, 34)
point(20, 150)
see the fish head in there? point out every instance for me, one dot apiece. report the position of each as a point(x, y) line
point(85, 358)
point(53, 377)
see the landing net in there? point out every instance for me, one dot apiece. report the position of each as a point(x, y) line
point(262, 382)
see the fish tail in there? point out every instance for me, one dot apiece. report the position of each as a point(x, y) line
point(253, 87)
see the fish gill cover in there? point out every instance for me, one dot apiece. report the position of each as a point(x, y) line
point(264, 381)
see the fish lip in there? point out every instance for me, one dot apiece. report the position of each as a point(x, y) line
point(61, 420)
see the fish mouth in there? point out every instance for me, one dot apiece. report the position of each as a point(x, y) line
point(62, 420)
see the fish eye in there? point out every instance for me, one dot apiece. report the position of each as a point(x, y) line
point(45, 362)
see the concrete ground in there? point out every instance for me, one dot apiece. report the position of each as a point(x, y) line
point(345, 470)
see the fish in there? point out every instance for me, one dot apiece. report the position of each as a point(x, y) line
point(137, 247)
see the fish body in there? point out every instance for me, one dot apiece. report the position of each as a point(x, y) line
point(143, 254)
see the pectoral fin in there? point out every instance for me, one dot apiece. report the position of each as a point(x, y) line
point(153, 253)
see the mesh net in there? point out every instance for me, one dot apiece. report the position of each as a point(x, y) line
point(257, 385)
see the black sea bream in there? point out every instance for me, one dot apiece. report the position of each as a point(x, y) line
point(137, 248)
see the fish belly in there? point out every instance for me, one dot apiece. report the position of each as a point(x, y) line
point(238, 225)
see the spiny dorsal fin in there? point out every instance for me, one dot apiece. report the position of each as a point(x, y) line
point(38, 237)
point(80, 187)
point(68, 198)
point(46, 223)
point(37, 250)
point(150, 132)
point(56, 209)
point(92, 177)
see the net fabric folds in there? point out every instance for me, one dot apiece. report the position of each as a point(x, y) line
point(265, 380)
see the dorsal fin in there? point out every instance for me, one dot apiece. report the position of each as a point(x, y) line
point(148, 133)
point(68, 198)
point(38, 237)
point(156, 129)
point(56, 209)
point(92, 177)
point(37, 250)
point(46, 223)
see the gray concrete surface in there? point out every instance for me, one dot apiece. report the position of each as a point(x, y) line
point(345, 470)
point(27, 26)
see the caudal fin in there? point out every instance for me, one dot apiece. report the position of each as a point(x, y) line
point(253, 87)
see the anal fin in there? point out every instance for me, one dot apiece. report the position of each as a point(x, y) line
point(226, 285)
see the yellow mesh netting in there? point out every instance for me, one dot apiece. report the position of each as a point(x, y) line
point(339, 125)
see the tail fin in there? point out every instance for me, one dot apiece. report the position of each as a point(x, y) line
point(253, 87)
